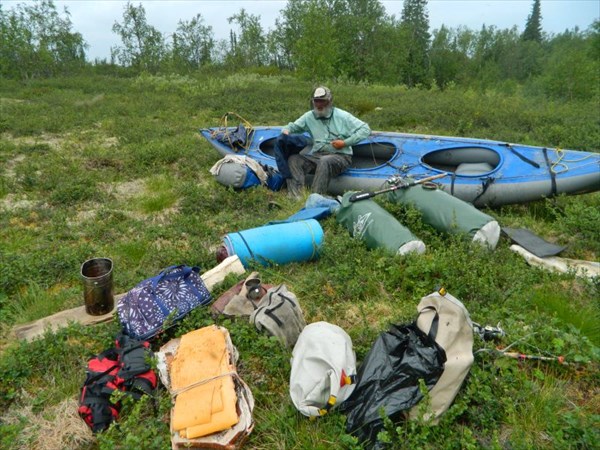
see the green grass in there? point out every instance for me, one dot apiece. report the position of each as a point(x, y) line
point(583, 315)
point(102, 166)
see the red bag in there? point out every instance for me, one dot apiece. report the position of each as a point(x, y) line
point(123, 368)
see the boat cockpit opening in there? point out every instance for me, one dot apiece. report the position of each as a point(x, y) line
point(372, 154)
point(268, 147)
point(365, 155)
point(466, 161)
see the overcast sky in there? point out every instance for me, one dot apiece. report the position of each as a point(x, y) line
point(94, 18)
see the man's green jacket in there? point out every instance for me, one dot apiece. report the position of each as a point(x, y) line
point(340, 125)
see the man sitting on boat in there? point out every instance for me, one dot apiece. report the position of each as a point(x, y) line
point(332, 132)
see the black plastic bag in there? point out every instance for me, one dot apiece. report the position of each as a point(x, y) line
point(389, 378)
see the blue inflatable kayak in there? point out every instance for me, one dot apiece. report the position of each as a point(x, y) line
point(482, 172)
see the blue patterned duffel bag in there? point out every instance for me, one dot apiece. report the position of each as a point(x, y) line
point(172, 294)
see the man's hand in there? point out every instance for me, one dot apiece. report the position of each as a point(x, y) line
point(284, 131)
point(338, 144)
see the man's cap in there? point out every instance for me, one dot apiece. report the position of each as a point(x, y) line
point(322, 93)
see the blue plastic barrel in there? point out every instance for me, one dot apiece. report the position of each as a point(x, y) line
point(279, 243)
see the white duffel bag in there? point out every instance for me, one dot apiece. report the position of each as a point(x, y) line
point(323, 369)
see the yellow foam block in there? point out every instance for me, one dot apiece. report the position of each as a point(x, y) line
point(220, 420)
point(197, 405)
point(209, 405)
point(202, 354)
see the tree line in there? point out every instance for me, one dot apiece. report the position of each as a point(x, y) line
point(354, 40)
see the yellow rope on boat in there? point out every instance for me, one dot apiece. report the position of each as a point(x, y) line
point(226, 130)
point(561, 162)
point(557, 163)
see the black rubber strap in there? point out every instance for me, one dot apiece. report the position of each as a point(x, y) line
point(550, 171)
point(485, 185)
point(522, 157)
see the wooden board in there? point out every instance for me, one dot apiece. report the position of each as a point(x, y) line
point(31, 330)
point(582, 268)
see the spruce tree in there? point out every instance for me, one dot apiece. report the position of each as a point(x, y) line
point(415, 21)
point(533, 27)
